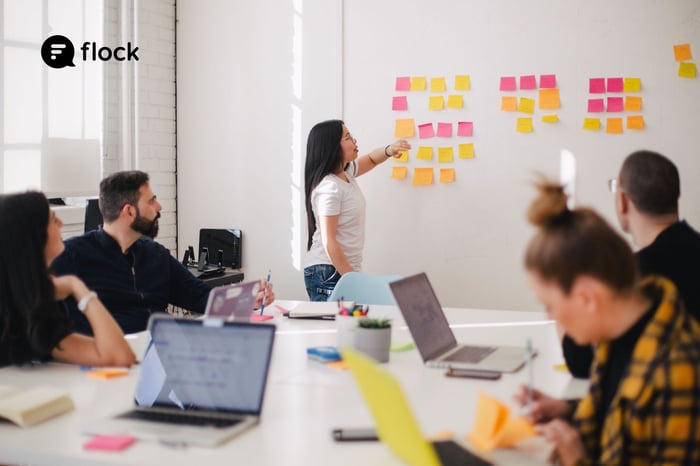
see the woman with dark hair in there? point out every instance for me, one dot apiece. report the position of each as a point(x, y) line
point(335, 207)
point(32, 325)
point(644, 395)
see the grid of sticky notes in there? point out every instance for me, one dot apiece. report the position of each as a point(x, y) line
point(615, 100)
point(436, 138)
point(543, 94)
point(683, 55)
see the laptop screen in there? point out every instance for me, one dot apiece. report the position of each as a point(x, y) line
point(200, 365)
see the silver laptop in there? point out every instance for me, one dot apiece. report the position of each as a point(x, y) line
point(235, 301)
point(201, 382)
point(434, 338)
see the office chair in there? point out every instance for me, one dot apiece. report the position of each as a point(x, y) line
point(93, 216)
point(365, 289)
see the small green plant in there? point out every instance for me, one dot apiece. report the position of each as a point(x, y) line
point(375, 323)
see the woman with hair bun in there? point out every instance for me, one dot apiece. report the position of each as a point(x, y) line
point(643, 402)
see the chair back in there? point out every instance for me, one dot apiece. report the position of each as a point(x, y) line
point(364, 288)
point(93, 216)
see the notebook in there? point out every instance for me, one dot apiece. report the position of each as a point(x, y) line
point(201, 382)
point(435, 341)
point(234, 301)
point(395, 423)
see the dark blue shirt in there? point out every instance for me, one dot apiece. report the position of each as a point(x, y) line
point(132, 286)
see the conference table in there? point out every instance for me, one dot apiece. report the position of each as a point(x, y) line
point(305, 399)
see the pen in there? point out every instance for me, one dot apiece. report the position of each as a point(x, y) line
point(267, 282)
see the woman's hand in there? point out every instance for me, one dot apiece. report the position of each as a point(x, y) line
point(68, 285)
point(541, 408)
point(395, 149)
point(566, 439)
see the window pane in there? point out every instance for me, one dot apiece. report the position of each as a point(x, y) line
point(22, 20)
point(22, 92)
point(22, 170)
point(65, 102)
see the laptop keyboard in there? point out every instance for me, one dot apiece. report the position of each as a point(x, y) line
point(471, 354)
point(179, 419)
point(451, 453)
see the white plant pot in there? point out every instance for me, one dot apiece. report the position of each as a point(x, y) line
point(374, 342)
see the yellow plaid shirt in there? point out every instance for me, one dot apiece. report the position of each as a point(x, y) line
point(654, 418)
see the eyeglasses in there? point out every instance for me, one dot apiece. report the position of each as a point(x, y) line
point(349, 137)
point(612, 185)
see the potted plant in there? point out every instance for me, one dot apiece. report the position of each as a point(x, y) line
point(373, 337)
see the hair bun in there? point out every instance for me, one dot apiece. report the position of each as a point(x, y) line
point(550, 204)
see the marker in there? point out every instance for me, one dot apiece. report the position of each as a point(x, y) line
point(267, 281)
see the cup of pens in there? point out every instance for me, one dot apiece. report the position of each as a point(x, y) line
point(347, 320)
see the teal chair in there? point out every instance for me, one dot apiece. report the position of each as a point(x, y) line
point(365, 289)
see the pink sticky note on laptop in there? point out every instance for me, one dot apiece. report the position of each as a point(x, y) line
point(109, 442)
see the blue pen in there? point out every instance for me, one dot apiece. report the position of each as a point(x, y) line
point(267, 281)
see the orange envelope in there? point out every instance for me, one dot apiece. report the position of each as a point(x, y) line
point(494, 428)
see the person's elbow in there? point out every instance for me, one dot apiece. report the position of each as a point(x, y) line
point(122, 358)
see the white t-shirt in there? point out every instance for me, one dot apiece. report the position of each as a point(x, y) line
point(334, 196)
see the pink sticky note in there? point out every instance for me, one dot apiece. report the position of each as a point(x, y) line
point(596, 105)
point(596, 85)
point(109, 442)
point(615, 84)
point(616, 104)
point(399, 103)
point(403, 83)
point(425, 130)
point(548, 81)
point(528, 82)
point(465, 128)
point(508, 83)
point(444, 130)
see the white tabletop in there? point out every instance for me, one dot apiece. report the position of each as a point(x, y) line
point(304, 400)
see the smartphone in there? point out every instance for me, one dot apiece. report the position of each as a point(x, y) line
point(355, 435)
point(473, 374)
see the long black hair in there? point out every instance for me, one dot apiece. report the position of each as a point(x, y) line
point(323, 157)
point(29, 314)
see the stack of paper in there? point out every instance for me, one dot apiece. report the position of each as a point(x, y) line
point(493, 428)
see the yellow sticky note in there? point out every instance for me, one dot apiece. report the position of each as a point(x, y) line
point(405, 128)
point(455, 101)
point(592, 124)
point(422, 176)
point(447, 175)
point(613, 126)
point(633, 85)
point(633, 104)
point(509, 103)
point(418, 83)
point(524, 125)
point(494, 428)
point(561, 367)
point(550, 118)
point(436, 102)
point(437, 85)
point(462, 82)
point(107, 373)
point(445, 154)
point(549, 99)
point(399, 173)
point(466, 151)
point(635, 122)
point(682, 52)
point(526, 105)
point(425, 153)
point(403, 157)
point(687, 70)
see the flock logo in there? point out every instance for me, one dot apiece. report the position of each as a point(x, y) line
point(58, 52)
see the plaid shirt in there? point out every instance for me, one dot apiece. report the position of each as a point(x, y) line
point(654, 418)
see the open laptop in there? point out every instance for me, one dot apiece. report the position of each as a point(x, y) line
point(434, 338)
point(396, 426)
point(234, 301)
point(201, 382)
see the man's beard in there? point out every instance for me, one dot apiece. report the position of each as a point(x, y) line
point(144, 226)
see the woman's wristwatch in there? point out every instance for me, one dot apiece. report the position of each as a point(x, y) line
point(85, 300)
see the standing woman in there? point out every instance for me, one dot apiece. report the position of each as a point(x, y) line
point(33, 326)
point(335, 206)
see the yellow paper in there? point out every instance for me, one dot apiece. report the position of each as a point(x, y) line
point(436, 102)
point(682, 52)
point(509, 103)
point(445, 154)
point(526, 105)
point(462, 82)
point(592, 124)
point(422, 176)
point(549, 99)
point(633, 85)
point(437, 85)
point(403, 157)
point(405, 128)
point(561, 367)
point(493, 428)
point(466, 151)
point(447, 175)
point(455, 101)
point(524, 125)
point(613, 126)
point(687, 70)
point(399, 173)
point(425, 153)
point(633, 104)
point(635, 122)
point(550, 118)
point(418, 83)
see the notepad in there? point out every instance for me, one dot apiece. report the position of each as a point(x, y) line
point(494, 428)
point(29, 407)
point(317, 310)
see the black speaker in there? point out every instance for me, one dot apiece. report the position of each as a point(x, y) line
point(228, 241)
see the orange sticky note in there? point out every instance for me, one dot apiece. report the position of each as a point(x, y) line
point(462, 82)
point(591, 124)
point(399, 173)
point(682, 52)
point(466, 151)
point(437, 85)
point(436, 102)
point(455, 101)
point(549, 99)
point(635, 122)
point(403, 157)
point(613, 126)
point(107, 373)
point(425, 153)
point(550, 118)
point(494, 428)
point(422, 176)
point(526, 105)
point(509, 103)
point(447, 175)
point(524, 125)
point(405, 128)
point(633, 85)
point(445, 154)
point(687, 70)
point(633, 104)
point(337, 365)
point(418, 83)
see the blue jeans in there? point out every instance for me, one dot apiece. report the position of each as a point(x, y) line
point(320, 279)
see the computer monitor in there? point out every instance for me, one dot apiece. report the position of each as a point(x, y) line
point(230, 241)
point(93, 216)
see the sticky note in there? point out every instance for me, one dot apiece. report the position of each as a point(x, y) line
point(635, 122)
point(445, 155)
point(494, 428)
point(633, 85)
point(403, 156)
point(596, 85)
point(463, 82)
point(526, 105)
point(422, 176)
point(633, 104)
point(508, 83)
point(418, 83)
point(436, 102)
point(509, 103)
point(528, 82)
point(425, 153)
point(596, 105)
point(399, 103)
point(337, 365)
point(561, 367)
point(550, 118)
point(437, 85)
point(615, 85)
point(687, 70)
point(455, 101)
point(447, 175)
point(107, 373)
point(524, 125)
point(465, 128)
point(613, 126)
point(591, 124)
point(426, 131)
point(616, 104)
point(466, 151)
point(444, 130)
point(109, 442)
point(403, 83)
point(549, 99)
point(399, 173)
point(404, 128)
point(682, 52)
point(548, 81)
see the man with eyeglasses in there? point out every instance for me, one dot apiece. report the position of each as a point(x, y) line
point(646, 201)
